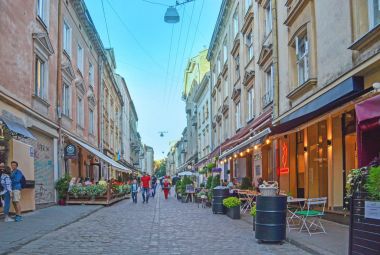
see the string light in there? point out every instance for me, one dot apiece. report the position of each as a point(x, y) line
point(241, 154)
point(267, 141)
point(235, 156)
point(256, 147)
point(248, 150)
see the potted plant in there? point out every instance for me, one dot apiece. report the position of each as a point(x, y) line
point(62, 186)
point(253, 214)
point(372, 186)
point(233, 207)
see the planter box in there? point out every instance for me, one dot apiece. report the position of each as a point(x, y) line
point(254, 223)
point(234, 212)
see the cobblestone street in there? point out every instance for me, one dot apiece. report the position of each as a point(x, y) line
point(160, 227)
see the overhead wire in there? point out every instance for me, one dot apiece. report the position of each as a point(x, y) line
point(105, 20)
point(135, 38)
point(167, 86)
point(157, 3)
point(184, 51)
point(168, 64)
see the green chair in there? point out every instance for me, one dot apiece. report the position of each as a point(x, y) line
point(311, 218)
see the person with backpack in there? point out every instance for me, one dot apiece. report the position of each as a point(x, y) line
point(6, 190)
point(18, 183)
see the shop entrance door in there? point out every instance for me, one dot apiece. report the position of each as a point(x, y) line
point(317, 170)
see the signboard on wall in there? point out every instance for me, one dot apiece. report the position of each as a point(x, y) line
point(372, 210)
point(71, 151)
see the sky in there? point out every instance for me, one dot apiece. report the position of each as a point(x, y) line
point(152, 55)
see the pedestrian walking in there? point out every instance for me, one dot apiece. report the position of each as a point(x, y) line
point(154, 185)
point(134, 190)
point(6, 190)
point(145, 186)
point(166, 188)
point(17, 178)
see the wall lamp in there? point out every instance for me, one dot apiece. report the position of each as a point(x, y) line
point(329, 142)
point(305, 149)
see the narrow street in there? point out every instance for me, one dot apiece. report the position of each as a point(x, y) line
point(160, 227)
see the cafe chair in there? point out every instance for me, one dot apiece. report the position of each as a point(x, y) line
point(311, 218)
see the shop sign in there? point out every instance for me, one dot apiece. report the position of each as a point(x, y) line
point(372, 210)
point(284, 169)
point(71, 151)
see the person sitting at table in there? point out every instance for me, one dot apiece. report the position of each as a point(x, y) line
point(259, 182)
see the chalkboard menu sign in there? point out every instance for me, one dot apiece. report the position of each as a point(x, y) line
point(190, 188)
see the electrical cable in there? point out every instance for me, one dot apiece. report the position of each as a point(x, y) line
point(156, 3)
point(170, 52)
point(134, 37)
point(175, 60)
point(184, 49)
point(105, 19)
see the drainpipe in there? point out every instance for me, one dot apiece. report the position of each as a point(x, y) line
point(276, 107)
point(100, 110)
point(59, 86)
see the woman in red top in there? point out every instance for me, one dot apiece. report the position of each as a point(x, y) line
point(166, 188)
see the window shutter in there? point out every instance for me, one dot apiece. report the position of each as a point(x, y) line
point(296, 41)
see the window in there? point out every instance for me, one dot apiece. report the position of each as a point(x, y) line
point(66, 38)
point(249, 43)
point(80, 58)
point(225, 54)
point(268, 18)
point(236, 22)
point(302, 52)
point(91, 123)
point(248, 4)
point(218, 66)
point(91, 74)
point(42, 10)
point(250, 104)
point(66, 100)
point(40, 84)
point(373, 13)
point(237, 116)
point(237, 66)
point(225, 88)
point(268, 96)
point(80, 115)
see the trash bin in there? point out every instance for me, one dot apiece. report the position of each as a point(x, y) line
point(271, 218)
point(219, 193)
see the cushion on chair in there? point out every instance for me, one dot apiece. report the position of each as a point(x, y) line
point(309, 213)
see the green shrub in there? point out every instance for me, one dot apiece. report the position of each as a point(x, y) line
point(215, 181)
point(246, 183)
point(253, 211)
point(373, 183)
point(231, 202)
point(209, 182)
point(62, 186)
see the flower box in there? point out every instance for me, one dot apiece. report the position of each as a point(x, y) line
point(234, 212)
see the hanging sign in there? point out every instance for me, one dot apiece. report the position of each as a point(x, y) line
point(71, 151)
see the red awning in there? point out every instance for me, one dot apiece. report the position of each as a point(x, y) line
point(368, 128)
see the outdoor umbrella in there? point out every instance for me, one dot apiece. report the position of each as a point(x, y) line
point(186, 173)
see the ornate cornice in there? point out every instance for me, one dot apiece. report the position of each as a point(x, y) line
point(44, 40)
point(265, 54)
point(248, 76)
point(68, 70)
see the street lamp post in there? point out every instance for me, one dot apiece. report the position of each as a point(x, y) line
point(171, 14)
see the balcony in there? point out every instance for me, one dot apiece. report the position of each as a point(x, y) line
point(267, 99)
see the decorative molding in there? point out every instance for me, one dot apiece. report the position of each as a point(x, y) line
point(236, 94)
point(80, 86)
point(248, 76)
point(44, 40)
point(248, 21)
point(265, 54)
point(294, 10)
point(68, 70)
point(218, 118)
point(366, 40)
point(235, 46)
point(91, 98)
point(225, 108)
point(300, 90)
point(224, 69)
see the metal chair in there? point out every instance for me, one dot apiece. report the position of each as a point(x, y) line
point(314, 226)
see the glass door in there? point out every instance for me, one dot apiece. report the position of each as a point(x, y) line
point(300, 164)
point(317, 170)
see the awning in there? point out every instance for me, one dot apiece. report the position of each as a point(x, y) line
point(17, 128)
point(337, 96)
point(249, 141)
point(368, 121)
point(101, 155)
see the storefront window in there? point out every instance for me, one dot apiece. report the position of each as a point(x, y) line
point(317, 152)
point(300, 164)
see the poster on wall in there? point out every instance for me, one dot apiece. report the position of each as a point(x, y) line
point(258, 170)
